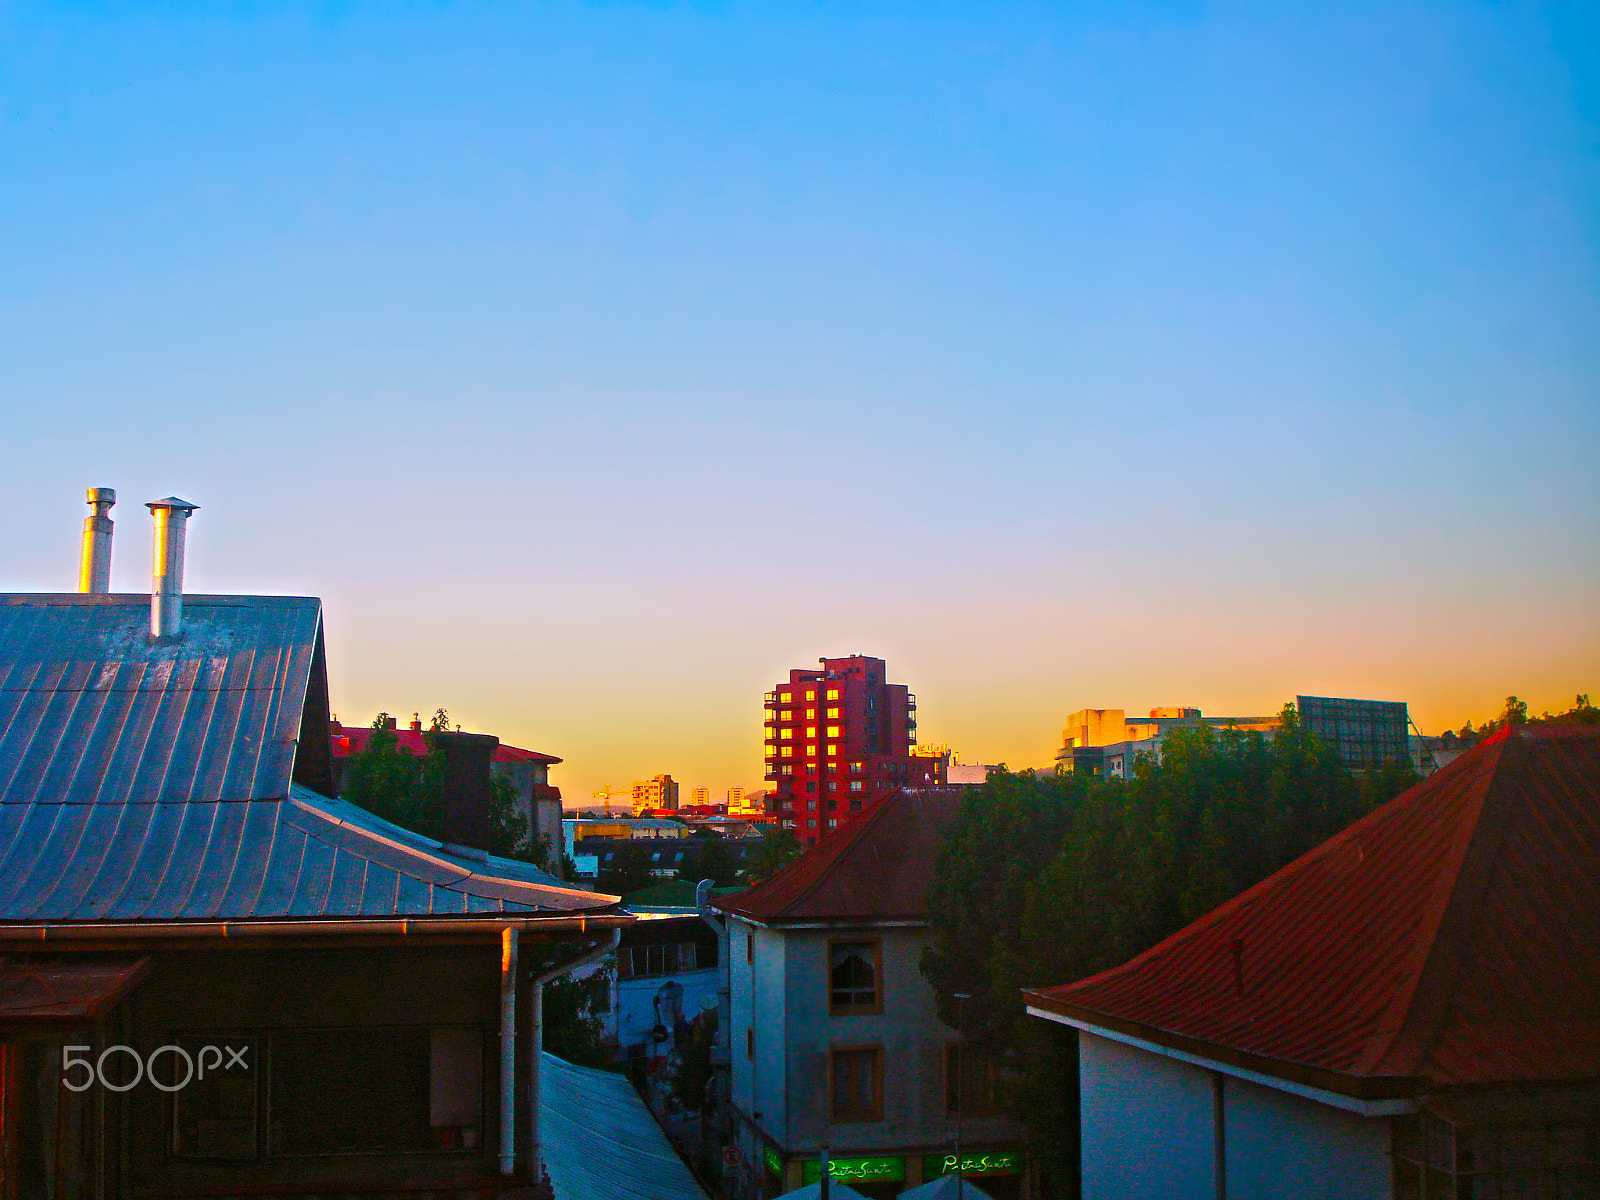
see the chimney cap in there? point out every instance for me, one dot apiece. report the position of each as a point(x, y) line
point(101, 495)
point(171, 502)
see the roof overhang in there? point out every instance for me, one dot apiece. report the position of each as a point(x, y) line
point(832, 923)
point(54, 993)
point(102, 934)
point(1368, 1096)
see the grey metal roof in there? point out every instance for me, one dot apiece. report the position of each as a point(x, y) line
point(599, 1141)
point(92, 711)
point(152, 782)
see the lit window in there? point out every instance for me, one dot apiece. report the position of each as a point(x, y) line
point(857, 768)
point(856, 785)
point(833, 714)
point(810, 696)
point(786, 715)
point(811, 714)
point(853, 969)
point(786, 751)
point(787, 768)
point(784, 697)
point(833, 731)
point(785, 734)
point(833, 751)
point(833, 822)
point(811, 731)
point(833, 694)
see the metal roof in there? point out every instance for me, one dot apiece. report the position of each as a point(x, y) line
point(877, 866)
point(1450, 937)
point(150, 781)
point(599, 1141)
point(93, 711)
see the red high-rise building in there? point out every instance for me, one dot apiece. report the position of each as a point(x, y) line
point(838, 741)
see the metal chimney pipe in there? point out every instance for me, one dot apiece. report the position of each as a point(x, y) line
point(171, 517)
point(94, 565)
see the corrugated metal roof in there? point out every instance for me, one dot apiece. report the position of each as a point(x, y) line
point(301, 857)
point(152, 781)
point(599, 1141)
point(93, 711)
point(877, 867)
point(1450, 937)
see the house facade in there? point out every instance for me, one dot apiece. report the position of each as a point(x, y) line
point(835, 1040)
point(1411, 1010)
point(214, 978)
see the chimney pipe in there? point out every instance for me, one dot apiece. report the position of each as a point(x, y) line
point(465, 787)
point(166, 583)
point(94, 566)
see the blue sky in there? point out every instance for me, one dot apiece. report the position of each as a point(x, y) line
point(597, 363)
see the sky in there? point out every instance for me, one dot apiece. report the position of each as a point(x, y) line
point(599, 363)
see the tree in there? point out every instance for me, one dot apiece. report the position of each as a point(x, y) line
point(390, 782)
point(627, 870)
point(573, 1008)
point(777, 848)
point(693, 1073)
point(1046, 879)
point(709, 858)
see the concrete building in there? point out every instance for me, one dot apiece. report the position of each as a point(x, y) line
point(1106, 741)
point(839, 741)
point(1410, 1010)
point(834, 1034)
point(656, 794)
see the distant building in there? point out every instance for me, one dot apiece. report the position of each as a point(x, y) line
point(1106, 741)
point(700, 797)
point(955, 772)
point(528, 771)
point(838, 742)
point(651, 795)
point(834, 1034)
point(1366, 733)
point(1409, 1010)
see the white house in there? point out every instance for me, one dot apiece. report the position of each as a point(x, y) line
point(1410, 1010)
point(835, 1039)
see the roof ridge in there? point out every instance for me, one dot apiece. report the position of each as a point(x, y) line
point(1412, 1024)
point(842, 840)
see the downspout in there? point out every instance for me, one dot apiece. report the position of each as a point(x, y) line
point(722, 1051)
point(536, 1059)
point(1219, 1136)
point(508, 1051)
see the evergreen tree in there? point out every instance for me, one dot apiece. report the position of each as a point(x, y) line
point(777, 848)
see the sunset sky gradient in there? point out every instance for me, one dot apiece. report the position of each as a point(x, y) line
point(597, 364)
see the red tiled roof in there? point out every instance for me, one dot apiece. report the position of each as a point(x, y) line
point(877, 867)
point(352, 739)
point(1450, 937)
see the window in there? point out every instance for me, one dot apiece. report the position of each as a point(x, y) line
point(750, 946)
point(811, 823)
point(811, 697)
point(833, 751)
point(811, 731)
point(343, 1091)
point(833, 785)
point(855, 1083)
point(786, 735)
point(786, 769)
point(833, 822)
point(663, 958)
point(969, 1089)
point(784, 697)
point(856, 768)
point(217, 1115)
point(856, 785)
point(811, 805)
point(785, 751)
point(833, 713)
point(855, 806)
point(853, 972)
point(833, 694)
point(833, 731)
point(786, 715)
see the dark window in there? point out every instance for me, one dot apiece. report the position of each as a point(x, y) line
point(663, 958)
point(853, 978)
point(750, 947)
point(855, 1076)
point(342, 1091)
point(216, 1114)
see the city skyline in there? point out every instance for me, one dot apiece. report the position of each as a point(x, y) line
point(596, 364)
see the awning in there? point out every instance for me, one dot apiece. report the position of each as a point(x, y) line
point(51, 991)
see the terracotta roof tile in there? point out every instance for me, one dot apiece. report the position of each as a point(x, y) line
point(1450, 937)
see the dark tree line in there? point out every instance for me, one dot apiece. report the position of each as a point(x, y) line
point(1047, 878)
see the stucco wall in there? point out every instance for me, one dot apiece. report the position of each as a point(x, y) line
point(1147, 1123)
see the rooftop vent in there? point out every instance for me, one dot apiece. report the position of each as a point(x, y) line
point(166, 583)
point(94, 567)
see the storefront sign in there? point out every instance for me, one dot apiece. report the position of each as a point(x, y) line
point(991, 1162)
point(864, 1170)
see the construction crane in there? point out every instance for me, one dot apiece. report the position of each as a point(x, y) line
point(607, 791)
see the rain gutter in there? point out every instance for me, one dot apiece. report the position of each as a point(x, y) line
point(336, 927)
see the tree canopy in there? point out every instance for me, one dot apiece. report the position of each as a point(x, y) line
point(1044, 879)
point(390, 782)
point(777, 848)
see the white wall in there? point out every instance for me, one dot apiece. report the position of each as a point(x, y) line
point(1147, 1124)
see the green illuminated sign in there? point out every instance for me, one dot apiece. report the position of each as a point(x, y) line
point(774, 1162)
point(865, 1170)
point(993, 1162)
